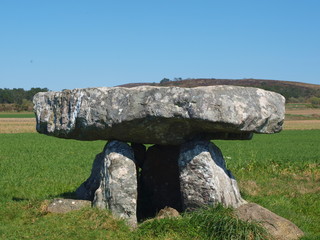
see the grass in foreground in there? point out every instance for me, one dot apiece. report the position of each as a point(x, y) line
point(90, 223)
point(206, 223)
point(280, 172)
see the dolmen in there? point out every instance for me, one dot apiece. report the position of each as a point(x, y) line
point(181, 168)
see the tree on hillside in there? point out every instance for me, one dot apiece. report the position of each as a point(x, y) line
point(164, 80)
point(6, 96)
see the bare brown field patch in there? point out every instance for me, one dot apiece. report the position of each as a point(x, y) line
point(301, 125)
point(17, 125)
point(307, 111)
point(250, 187)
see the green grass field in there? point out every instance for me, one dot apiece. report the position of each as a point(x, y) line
point(280, 172)
point(17, 115)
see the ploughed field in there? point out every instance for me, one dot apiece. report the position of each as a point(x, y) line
point(299, 116)
point(280, 172)
point(17, 122)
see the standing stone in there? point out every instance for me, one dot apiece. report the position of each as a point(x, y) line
point(88, 188)
point(204, 179)
point(115, 179)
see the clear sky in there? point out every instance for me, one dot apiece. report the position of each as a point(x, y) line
point(66, 44)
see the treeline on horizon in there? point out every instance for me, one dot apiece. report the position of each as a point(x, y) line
point(18, 99)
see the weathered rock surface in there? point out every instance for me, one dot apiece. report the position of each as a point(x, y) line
point(113, 182)
point(160, 115)
point(279, 227)
point(60, 205)
point(204, 178)
point(168, 212)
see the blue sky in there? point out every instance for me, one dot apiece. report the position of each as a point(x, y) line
point(77, 44)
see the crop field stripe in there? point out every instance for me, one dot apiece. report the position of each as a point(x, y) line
point(17, 115)
point(17, 125)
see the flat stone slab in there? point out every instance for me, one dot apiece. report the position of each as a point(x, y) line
point(60, 205)
point(159, 115)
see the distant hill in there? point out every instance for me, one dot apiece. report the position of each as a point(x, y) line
point(292, 91)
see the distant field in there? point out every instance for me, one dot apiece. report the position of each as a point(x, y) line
point(302, 119)
point(302, 113)
point(293, 106)
point(302, 124)
point(305, 111)
point(17, 125)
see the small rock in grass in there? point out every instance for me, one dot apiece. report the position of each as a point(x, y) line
point(66, 205)
point(168, 212)
point(279, 227)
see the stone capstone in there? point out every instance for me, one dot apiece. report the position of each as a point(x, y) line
point(159, 115)
point(113, 182)
point(204, 178)
point(87, 189)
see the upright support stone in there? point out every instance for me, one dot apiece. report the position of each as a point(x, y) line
point(88, 188)
point(204, 179)
point(115, 179)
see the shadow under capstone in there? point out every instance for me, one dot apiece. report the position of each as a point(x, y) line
point(158, 184)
